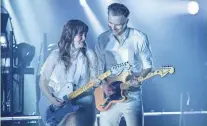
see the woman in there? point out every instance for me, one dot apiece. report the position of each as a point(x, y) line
point(71, 64)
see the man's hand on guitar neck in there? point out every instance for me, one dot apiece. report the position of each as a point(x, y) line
point(135, 81)
point(136, 78)
point(131, 82)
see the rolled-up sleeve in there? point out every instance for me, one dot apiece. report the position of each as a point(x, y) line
point(145, 53)
point(49, 65)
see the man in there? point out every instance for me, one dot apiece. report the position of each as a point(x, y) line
point(117, 45)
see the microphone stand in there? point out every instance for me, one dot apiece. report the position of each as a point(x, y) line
point(182, 116)
point(181, 110)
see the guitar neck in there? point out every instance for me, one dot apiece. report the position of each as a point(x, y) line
point(80, 90)
point(162, 72)
point(150, 75)
point(87, 86)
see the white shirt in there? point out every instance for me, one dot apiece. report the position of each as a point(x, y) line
point(54, 70)
point(134, 48)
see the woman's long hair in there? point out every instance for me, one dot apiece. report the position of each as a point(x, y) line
point(70, 30)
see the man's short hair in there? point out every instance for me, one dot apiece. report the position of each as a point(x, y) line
point(118, 9)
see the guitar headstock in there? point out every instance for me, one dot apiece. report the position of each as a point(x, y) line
point(165, 70)
point(119, 68)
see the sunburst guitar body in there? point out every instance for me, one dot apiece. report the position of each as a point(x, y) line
point(119, 85)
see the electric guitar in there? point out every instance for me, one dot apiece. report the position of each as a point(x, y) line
point(54, 114)
point(119, 85)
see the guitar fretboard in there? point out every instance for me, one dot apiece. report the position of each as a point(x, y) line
point(150, 75)
point(88, 86)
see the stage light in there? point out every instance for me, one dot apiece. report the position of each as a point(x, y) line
point(83, 3)
point(193, 7)
point(24, 54)
point(3, 41)
point(52, 47)
point(94, 21)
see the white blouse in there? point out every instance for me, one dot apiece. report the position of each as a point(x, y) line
point(82, 70)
